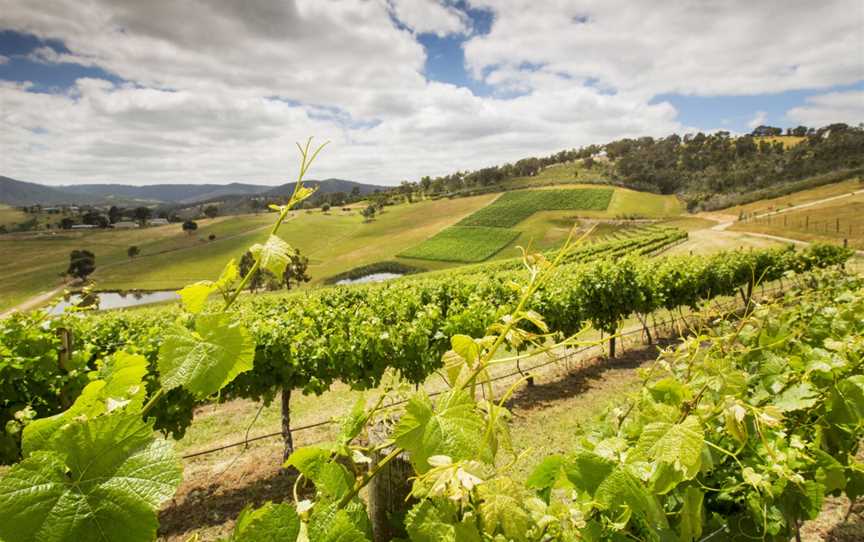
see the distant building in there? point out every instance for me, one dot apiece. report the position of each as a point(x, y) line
point(84, 226)
point(125, 225)
point(157, 222)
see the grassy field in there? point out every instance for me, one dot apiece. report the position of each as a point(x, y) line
point(797, 198)
point(10, 215)
point(462, 244)
point(832, 221)
point(335, 242)
point(40, 259)
point(787, 140)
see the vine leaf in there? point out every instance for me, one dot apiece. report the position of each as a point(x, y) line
point(454, 428)
point(427, 523)
point(194, 296)
point(501, 510)
point(690, 525)
point(270, 522)
point(274, 255)
point(120, 385)
point(797, 397)
point(102, 483)
point(678, 445)
point(329, 524)
point(621, 493)
point(205, 360)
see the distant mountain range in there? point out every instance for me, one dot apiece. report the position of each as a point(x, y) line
point(14, 192)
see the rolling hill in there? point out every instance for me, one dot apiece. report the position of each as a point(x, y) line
point(14, 192)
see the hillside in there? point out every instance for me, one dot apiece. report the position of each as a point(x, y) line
point(328, 186)
point(14, 192)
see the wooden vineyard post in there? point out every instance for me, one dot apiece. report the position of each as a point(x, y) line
point(64, 355)
point(389, 491)
point(286, 423)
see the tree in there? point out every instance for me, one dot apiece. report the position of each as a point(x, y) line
point(142, 214)
point(211, 211)
point(190, 226)
point(81, 264)
point(369, 213)
point(66, 223)
point(114, 214)
point(212, 237)
point(133, 251)
point(295, 272)
point(325, 207)
point(95, 219)
point(257, 278)
point(355, 192)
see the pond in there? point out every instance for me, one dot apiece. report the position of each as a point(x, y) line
point(374, 277)
point(119, 300)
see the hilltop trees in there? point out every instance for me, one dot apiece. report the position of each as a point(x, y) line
point(143, 214)
point(211, 211)
point(82, 263)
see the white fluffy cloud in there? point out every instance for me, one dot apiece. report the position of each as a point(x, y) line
point(832, 107)
point(430, 16)
point(219, 90)
point(706, 48)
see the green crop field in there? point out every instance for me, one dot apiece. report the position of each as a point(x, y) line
point(462, 244)
point(514, 207)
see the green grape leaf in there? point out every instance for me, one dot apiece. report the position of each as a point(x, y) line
point(586, 471)
point(797, 397)
point(207, 359)
point(103, 483)
point(268, 523)
point(309, 460)
point(274, 255)
point(547, 473)
point(121, 384)
point(847, 401)
point(328, 524)
point(679, 445)
point(194, 296)
point(426, 522)
point(466, 348)
point(621, 491)
point(501, 510)
point(453, 428)
point(690, 519)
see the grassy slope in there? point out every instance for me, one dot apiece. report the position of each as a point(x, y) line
point(817, 223)
point(797, 198)
point(334, 242)
point(39, 260)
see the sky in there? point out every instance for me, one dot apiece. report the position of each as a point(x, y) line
point(219, 90)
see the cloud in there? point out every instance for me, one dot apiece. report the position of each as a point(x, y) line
point(718, 48)
point(758, 119)
point(430, 16)
point(828, 108)
point(102, 132)
point(218, 90)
